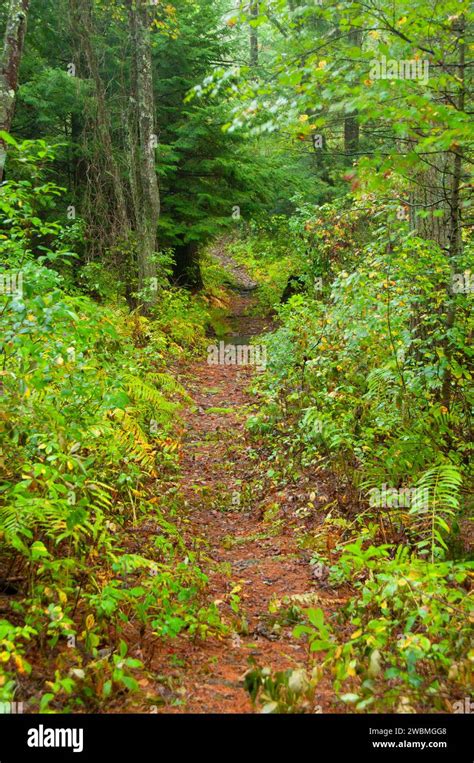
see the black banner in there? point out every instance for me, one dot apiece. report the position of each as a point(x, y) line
point(142, 737)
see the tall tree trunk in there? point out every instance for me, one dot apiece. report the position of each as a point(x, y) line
point(254, 10)
point(83, 27)
point(187, 269)
point(455, 220)
point(431, 194)
point(351, 121)
point(351, 134)
point(133, 159)
point(437, 190)
point(9, 68)
point(148, 190)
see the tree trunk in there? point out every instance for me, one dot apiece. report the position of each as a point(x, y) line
point(431, 194)
point(351, 121)
point(254, 10)
point(10, 65)
point(455, 220)
point(147, 186)
point(187, 270)
point(351, 134)
point(438, 189)
point(83, 27)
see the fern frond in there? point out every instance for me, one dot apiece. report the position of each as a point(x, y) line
point(170, 385)
point(134, 440)
point(380, 383)
point(139, 390)
point(435, 503)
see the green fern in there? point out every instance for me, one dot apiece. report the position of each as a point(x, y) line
point(170, 385)
point(435, 504)
point(139, 391)
point(381, 382)
point(134, 440)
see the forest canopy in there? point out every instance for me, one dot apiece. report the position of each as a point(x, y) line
point(236, 288)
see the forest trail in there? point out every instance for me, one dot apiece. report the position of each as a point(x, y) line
point(247, 553)
point(188, 526)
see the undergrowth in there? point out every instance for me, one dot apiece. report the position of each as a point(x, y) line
point(355, 385)
point(91, 436)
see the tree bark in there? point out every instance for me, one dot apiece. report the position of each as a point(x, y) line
point(351, 121)
point(455, 220)
point(81, 16)
point(147, 182)
point(10, 66)
point(187, 270)
point(254, 10)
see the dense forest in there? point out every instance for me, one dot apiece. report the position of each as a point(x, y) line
point(236, 359)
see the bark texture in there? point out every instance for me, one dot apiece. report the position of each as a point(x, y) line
point(351, 121)
point(145, 183)
point(10, 66)
point(254, 10)
point(105, 192)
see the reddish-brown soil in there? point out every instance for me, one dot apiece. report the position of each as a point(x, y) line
point(226, 503)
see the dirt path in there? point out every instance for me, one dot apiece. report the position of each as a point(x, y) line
point(229, 505)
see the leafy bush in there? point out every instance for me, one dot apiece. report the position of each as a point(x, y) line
point(355, 382)
point(403, 640)
point(355, 371)
point(89, 418)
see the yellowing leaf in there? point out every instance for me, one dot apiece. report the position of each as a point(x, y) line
point(19, 663)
